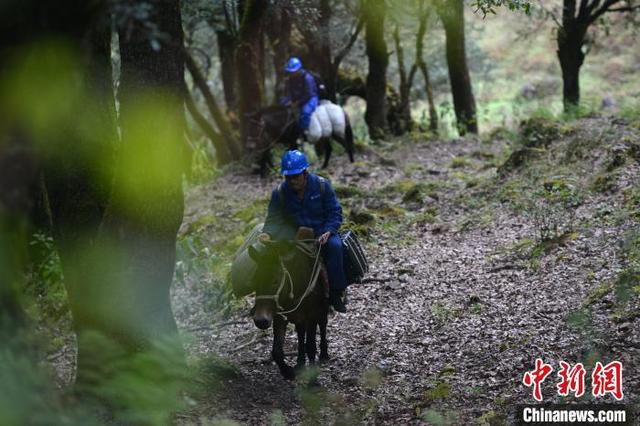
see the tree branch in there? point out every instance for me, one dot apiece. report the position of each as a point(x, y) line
point(582, 11)
point(354, 36)
point(216, 113)
point(602, 10)
point(215, 137)
point(624, 9)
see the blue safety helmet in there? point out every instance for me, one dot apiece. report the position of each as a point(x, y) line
point(293, 163)
point(293, 64)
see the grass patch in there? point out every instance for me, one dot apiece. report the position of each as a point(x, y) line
point(459, 162)
point(439, 392)
point(344, 191)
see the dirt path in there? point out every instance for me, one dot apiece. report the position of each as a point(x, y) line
point(448, 320)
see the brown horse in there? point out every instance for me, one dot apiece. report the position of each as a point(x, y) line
point(291, 287)
point(279, 124)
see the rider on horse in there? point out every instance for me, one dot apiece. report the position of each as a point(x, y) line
point(301, 90)
point(308, 200)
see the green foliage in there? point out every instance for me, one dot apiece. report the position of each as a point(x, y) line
point(198, 265)
point(605, 182)
point(203, 168)
point(491, 418)
point(490, 6)
point(459, 162)
point(438, 392)
point(141, 387)
point(45, 284)
point(209, 375)
point(344, 191)
point(552, 207)
point(129, 387)
point(436, 418)
point(538, 132)
point(28, 396)
point(443, 313)
point(428, 216)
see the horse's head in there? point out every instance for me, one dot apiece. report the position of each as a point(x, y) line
point(283, 271)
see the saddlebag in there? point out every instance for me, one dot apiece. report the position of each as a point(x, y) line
point(243, 268)
point(355, 262)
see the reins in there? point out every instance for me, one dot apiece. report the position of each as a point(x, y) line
point(288, 122)
point(308, 250)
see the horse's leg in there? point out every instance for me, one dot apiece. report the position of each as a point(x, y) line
point(300, 330)
point(348, 137)
point(324, 347)
point(327, 152)
point(311, 341)
point(279, 331)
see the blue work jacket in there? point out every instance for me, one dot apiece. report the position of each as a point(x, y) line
point(321, 212)
point(300, 89)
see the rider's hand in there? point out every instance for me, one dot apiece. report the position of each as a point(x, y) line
point(264, 237)
point(324, 238)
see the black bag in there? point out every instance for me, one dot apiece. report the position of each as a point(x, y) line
point(322, 88)
point(355, 263)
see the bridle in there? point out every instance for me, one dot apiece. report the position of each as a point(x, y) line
point(307, 249)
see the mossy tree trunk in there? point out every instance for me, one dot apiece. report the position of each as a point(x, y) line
point(226, 53)
point(134, 255)
point(249, 63)
point(451, 13)
point(376, 49)
point(421, 64)
point(405, 123)
point(114, 219)
point(279, 34)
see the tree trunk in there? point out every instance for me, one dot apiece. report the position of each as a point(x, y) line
point(18, 179)
point(324, 54)
point(136, 242)
point(452, 14)
point(422, 65)
point(222, 154)
point(226, 53)
point(279, 33)
point(405, 123)
point(116, 243)
point(433, 113)
point(230, 143)
point(248, 64)
point(570, 40)
point(376, 113)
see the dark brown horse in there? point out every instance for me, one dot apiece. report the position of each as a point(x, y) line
point(279, 124)
point(290, 288)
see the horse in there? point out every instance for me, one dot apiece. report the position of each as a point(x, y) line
point(279, 124)
point(291, 286)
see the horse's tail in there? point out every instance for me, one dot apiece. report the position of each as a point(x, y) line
point(348, 136)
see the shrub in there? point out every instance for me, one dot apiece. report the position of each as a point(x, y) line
point(552, 208)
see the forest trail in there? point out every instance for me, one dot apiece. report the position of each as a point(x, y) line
point(452, 313)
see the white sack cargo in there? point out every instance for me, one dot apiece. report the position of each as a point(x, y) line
point(327, 120)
